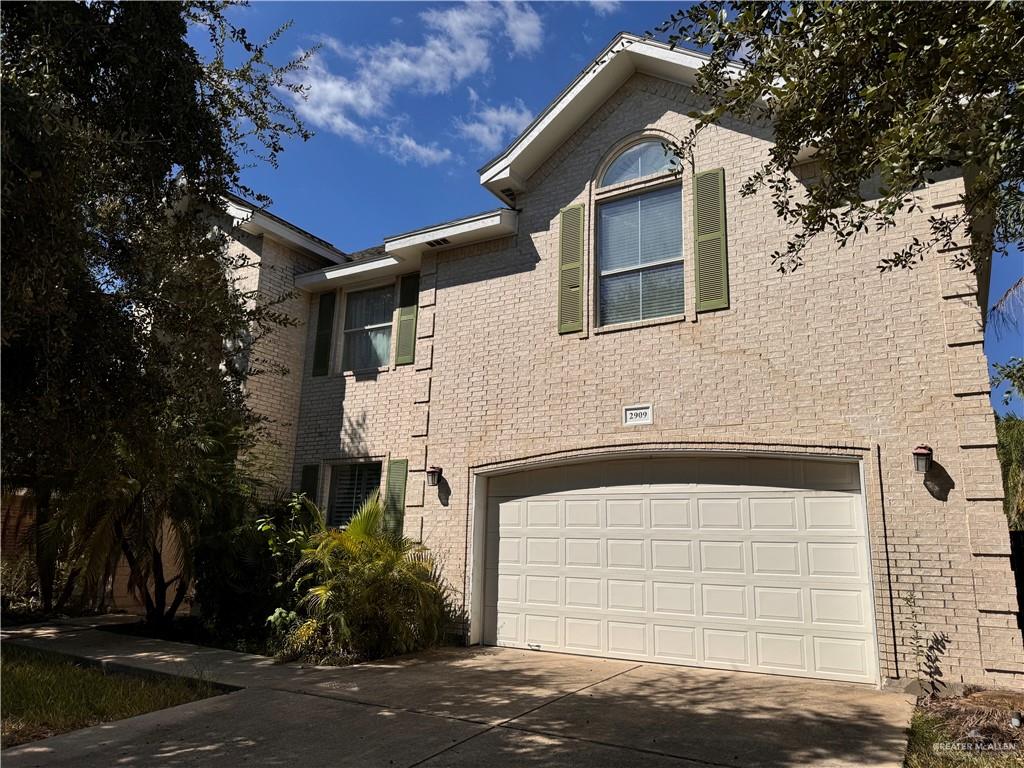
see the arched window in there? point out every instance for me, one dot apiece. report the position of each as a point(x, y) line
point(639, 239)
point(643, 159)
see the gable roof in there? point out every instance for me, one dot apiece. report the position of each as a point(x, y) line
point(626, 55)
point(251, 217)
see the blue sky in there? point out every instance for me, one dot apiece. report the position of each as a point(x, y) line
point(408, 100)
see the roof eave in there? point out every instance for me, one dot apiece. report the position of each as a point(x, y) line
point(506, 174)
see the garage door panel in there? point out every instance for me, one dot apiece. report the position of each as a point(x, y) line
point(722, 557)
point(672, 555)
point(675, 598)
point(832, 515)
point(583, 634)
point(763, 580)
point(840, 559)
point(542, 551)
point(625, 513)
point(786, 652)
point(625, 553)
point(721, 514)
point(775, 558)
point(672, 514)
point(726, 646)
point(583, 553)
point(542, 514)
point(626, 595)
point(773, 514)
point(627, 637)
point(582, 592)
point(724, 601)
point(779, 604)
point(583, 513)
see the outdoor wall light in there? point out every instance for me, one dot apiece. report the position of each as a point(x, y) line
point(433, 475)
point(922, 458)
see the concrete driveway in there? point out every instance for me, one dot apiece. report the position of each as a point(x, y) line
point(499, 707)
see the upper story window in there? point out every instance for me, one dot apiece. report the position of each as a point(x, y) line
point(640, 256)
point(644, 159)
point(368, 320)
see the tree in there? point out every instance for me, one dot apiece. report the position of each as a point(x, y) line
point(1010, 431)
point(887, 96)
point(119, 143)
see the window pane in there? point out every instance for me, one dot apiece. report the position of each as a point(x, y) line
point(662, 291)
point(366, 349)
point(639, 160)
point(654, 159)
point(369, 307)
point(661, 225)
point(351, 485)
point(620, 298)
point(618, 234)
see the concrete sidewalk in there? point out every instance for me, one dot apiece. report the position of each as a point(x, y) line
point(466, 707)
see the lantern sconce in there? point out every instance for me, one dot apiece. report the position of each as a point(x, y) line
point(433, 476)
point(922, 458)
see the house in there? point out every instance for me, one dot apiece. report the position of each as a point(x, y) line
point(646, 442)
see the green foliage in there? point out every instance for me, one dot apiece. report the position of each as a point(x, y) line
point(888, 96)
point(1011, 372)
point(123, 321)
point(1010, 448)
point(45, 695)
point(367, 593)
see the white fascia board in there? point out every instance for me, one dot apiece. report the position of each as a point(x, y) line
point(346, 274)
point(612, 67)
point(254, 221)
point(472, 229)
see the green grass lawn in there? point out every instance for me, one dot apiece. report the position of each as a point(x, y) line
point(45, 694)
point(928, 730)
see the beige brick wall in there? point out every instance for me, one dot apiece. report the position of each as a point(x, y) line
point(274, 385)
point(834, 358)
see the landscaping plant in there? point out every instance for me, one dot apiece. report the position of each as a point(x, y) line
point(366, 592)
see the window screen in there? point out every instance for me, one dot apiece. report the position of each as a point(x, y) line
point(368, 319)
point(351, 485)
point(640, 256)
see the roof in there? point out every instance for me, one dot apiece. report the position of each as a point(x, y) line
point(373, 252)
point(626, 55)
point(253, 218)
point(468, 229)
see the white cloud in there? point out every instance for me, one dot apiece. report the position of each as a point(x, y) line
point(605, 7)
point(456, 45)
point(524, 27)
point(404, 148)
point(492, 127)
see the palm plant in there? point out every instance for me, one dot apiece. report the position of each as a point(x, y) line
point(368, 592)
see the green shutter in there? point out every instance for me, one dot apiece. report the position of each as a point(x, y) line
point(324, 332)
point(710, 242)
point(394, 494)
point(310, 482)
point(570, 270)
point(408, 302)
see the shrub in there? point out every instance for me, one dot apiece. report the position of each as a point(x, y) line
point(244, 569)
point(1010, 432)
point(367, 593)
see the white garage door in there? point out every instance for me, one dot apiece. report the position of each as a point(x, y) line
point(735, 577)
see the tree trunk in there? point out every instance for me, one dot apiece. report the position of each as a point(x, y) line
point(46, 556)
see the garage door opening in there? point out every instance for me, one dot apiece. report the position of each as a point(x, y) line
point(733, 563)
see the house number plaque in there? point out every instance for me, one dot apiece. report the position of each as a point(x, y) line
point(635, 415)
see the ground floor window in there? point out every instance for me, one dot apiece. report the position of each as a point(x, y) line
point(351, 485)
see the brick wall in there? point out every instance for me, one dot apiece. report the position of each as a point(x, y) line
point(276, 363)
point(834, 356)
